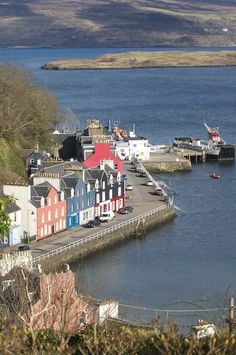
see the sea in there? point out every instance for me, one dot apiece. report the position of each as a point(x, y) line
point(189, 263)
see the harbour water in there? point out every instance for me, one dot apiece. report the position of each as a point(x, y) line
point(193, 257)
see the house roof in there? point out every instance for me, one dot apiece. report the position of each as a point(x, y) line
point(70, 182)
point(12, 207)
point(102, 152)
point(41, 190)
point(61, 168)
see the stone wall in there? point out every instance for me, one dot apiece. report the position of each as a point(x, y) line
point(131, 231)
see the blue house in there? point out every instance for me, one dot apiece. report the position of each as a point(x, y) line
point(80, 201)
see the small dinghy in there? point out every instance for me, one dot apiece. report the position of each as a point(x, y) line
point(215, 176)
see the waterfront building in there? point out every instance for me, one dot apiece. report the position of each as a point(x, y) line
point(102, 152)
point(108, 186)
point(80, 201)
point(43, 209)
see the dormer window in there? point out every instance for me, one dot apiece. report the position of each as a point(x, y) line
point(42, 202)
point(103, 184)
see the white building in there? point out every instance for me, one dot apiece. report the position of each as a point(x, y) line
point(22, 193)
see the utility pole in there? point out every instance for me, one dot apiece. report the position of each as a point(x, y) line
point(231, 322)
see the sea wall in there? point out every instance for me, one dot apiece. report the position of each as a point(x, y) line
point(154, 166)
point(134, 230)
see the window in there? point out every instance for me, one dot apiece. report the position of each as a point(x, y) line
point(60, 224)
point(103, 185)
point(49, 215)
point(97, 198)
point(119, 191)
point(62, 211)
point(55, 199)
point(82, 318)
point(56, 213)
point(43, 218)
point(41, 231)
point(45, 230)
point(103, 196)
point(110, 193)
point(49, 201)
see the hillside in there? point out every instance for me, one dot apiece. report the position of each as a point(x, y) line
point(117, 23)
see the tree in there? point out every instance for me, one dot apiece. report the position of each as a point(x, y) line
point(28, 113)
point(5, 220)
point(69, 122)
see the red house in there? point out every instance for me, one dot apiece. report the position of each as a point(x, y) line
point(51, 210)
point(102, 152)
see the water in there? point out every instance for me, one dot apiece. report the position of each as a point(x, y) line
point(192, 257)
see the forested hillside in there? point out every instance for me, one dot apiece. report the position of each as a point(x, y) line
point(28, 114)
point(117, 23)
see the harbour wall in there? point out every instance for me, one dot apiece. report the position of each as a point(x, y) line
point(137, 227)
point(176, 164)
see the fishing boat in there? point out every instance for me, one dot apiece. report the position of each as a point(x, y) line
point(214, 176)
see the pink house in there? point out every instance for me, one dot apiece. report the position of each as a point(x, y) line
point(59, 307)
point(51, 210)
point(102, 152)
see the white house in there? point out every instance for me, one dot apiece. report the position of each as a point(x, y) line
point(22, 193)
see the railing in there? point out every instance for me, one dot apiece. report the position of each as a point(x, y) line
point(139, 218)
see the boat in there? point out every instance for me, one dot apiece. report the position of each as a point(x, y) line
point(217, 147)
point(214, 176)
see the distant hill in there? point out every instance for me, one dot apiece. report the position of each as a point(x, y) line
point(117, 23)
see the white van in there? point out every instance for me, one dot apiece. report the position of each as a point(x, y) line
point(106, 216)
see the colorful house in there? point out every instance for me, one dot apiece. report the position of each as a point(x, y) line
point(80, 201)
point(102, 152)
point(109, 189)
point(43, 209)
point(51, 210)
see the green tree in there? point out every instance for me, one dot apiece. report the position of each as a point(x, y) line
point(5, 221)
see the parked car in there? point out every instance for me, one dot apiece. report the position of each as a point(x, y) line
point(158, 191)
point(142, 174)
point(24, 247)
point(124, 177)
point(123, 210)
point(149, 183)
point(106, 217)
point(129, 188)
point(126, 210)
point(129, 208)
point(93, 223)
